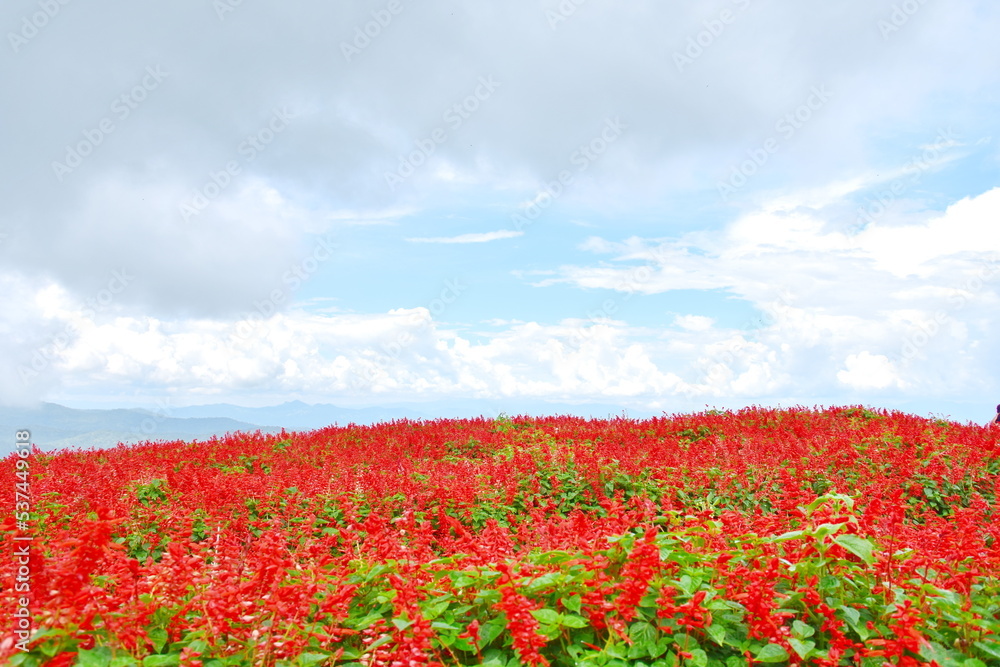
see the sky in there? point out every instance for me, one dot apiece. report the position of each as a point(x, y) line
point(663, 206)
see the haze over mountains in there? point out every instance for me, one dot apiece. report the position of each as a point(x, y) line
point(56, 426)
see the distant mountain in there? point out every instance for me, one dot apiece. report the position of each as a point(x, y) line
point(299, 416)
point(296, 415)
point(55, 426)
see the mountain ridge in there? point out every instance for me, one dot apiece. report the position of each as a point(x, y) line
point(54, 426)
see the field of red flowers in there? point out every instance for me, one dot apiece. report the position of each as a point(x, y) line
point(842, 536)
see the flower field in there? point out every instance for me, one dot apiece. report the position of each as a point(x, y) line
point(842, 536)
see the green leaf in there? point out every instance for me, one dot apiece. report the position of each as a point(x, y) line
point(158, 636)
point(858, 546)
point(490, 631)
point(549, 616)
point(436, 609)
point(772, 653)
point(574, 621)
point(171, 660)
point(698, 658)
point(637, 651)
point(616, 651)
point(308, 659)
point(790, 535)
point(951, 596)
point(802, 630)
point(198, 646)
point(642, 632)
point(98, 657)
point(661, 646)
point(572, 603)
point(401, 623)
point(494, 658)
point(547, 580)
point(460, 580)
point(941, 655)
point(854, 620)
point(124, 660)
point(717, 633)
point(801, 647)
point(827, 529)
point(989, 648)
point(51, 649)
point(365, 622)
point(384, 639)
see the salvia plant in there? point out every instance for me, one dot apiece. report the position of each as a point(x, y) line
point(842, 536)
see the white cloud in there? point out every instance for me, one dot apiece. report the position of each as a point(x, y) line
point(928, 332)
point(868, 371)
point(918, 297)
point(400, 353)
point(743, 256)
point(121, 203)
point(470, 238)
point(387, 216)
point(964, 236)
point(694, 322)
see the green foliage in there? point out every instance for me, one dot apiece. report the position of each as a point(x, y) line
point(504, 424)
point(151, 493)
point(694, 435)
point(375, 549)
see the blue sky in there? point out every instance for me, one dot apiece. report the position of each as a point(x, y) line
point(656, 206)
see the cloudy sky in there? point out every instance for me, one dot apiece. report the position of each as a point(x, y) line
point(659, 205)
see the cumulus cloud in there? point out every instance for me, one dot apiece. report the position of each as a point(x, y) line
point(867, 371)
point(401, 353)
point(274, 140)
point(915, 328)
point(917, 296)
